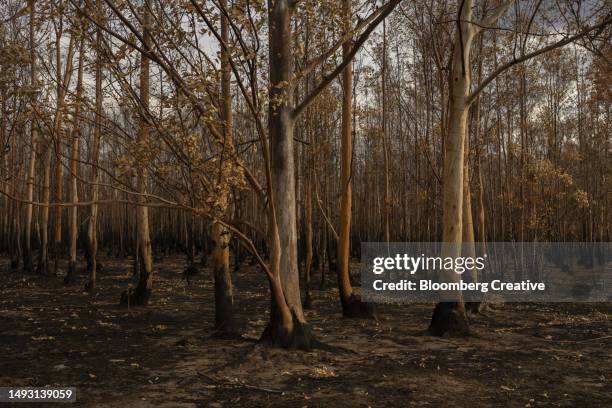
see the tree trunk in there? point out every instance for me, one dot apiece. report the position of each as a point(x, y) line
point(14, 218)
point(224, 297)
point(287, 326)
point(350, 301)
point(63, 82)
point(57, 137)
point(474, 307)
point(43, 255)
point(449, 316)
point(308, 233)
point(141, 294)
point(92, 230)
point(387, 196)
point(27, 248)
point(468, 246)
point(16, 242)
point(74, 166)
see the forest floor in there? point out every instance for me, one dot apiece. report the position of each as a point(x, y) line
point(166, 355)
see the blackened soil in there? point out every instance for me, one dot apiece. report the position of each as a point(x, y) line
point(167, 354)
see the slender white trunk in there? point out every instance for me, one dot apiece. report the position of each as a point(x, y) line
point(450, 316)
point(27, 253)
point(92, 229)
point(74, 166)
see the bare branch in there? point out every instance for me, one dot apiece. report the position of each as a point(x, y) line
point(388, 8)
point(607, 20)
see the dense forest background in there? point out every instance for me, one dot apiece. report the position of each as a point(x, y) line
point(289, 132)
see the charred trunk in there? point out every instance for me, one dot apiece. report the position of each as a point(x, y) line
point(449, 319)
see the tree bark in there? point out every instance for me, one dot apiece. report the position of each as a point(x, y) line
point(468, 246)
point(63, 82)
point(350, 301)
point(387, 196)
point(74, 167)
point(224, 297)
point(92, 228)
point(474, 307)
point(43, 255)
point(287, 326)
point(27, 248)
point(308, 233)
point(57, 136)
point(142, 293)
point(449, 316)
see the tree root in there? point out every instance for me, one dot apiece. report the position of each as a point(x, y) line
point(14, 263)
point(300, 338)
point(449, 319)
point(357, 309)
point(135, 297)
point(229, 330)
point(69, 278)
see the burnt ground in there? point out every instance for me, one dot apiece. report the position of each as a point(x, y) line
point(166, 355)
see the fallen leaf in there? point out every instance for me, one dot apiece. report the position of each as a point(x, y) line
point(43, 337)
